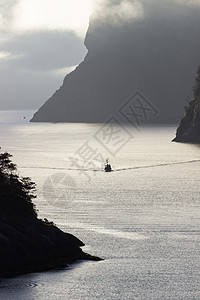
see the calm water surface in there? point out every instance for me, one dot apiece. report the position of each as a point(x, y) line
point(143, 218)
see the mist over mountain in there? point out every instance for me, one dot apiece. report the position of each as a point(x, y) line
point(146, 47)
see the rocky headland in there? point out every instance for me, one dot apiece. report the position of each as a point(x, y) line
point(189, 127)
point(29, 244)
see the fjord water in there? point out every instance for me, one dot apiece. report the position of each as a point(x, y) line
point(143, 217)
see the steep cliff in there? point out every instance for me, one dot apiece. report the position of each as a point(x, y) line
point(189, 128)
point(155, 55)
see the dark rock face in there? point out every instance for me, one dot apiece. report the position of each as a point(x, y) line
point(189, 128)
point(29, 245)
point(156, 55)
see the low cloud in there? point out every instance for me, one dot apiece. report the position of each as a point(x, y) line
point(122, 11)
point(31, 15)
point(118, 11)
point(62, 72)
point(34, 64)
point(40, 44)
point(43, 51)
point(4, 54)
point(6, 13)
point(127, 11)
point(9, 56)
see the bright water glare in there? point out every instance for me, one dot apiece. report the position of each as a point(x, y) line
point(142, 218)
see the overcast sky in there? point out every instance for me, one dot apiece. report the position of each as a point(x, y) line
point(40, 42)
point(43, 40)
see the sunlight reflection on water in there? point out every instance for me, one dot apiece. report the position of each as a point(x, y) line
point(144, 219)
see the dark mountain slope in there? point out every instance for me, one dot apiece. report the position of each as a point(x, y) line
point(155, 55)
point(189, 128)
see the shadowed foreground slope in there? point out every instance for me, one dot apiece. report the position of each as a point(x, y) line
point(28, 244)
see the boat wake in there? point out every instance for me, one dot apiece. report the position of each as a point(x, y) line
point(158, 165)
point(114, 170)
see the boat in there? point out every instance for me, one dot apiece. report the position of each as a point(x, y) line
point(107, 166)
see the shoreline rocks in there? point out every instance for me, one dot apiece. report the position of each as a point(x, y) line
point(31, 245)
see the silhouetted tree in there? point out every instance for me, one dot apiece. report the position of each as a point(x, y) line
point(189, 127)
point(196, 89)
point(16, 193)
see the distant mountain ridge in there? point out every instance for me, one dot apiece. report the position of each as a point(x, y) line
point(155, 56)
